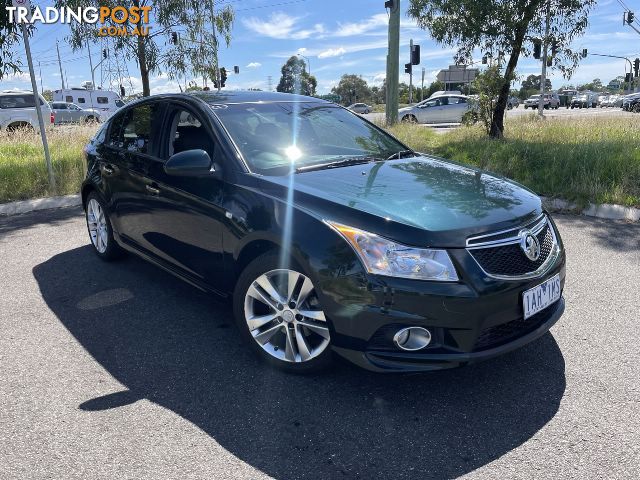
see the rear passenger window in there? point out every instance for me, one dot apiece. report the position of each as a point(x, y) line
point(188, 133)
point(132, 130)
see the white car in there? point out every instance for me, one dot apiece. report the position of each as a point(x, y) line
point(18, 110)
point(440, 109)
point(360, 108)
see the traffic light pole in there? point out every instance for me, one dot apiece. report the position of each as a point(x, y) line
point(393, 57)
point(411, 72)
point(623, 58)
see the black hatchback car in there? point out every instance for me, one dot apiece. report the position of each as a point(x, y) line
point(328, 234)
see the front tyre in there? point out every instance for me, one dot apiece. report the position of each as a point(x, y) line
point(278, 311)
point(100, 230)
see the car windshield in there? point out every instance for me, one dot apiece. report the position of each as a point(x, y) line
point(276, 137)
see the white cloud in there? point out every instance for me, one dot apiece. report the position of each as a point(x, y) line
point(254, 65)
point(281, 26)
point(360, 28)
point(332, 52)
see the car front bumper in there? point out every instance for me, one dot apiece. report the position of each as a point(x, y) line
point(472, 320)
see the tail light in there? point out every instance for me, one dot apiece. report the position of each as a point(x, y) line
point(53, 117)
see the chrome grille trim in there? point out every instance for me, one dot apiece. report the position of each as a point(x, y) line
point(536, 228)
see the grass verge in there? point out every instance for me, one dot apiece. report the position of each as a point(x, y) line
point(23, 172)
point(583, 160)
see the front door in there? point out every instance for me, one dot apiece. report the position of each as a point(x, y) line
point(187, 213)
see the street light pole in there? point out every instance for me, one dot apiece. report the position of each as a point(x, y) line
point(308, 63)
point(616, 56)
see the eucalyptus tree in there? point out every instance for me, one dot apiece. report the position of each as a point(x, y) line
point(9, 36)
point(195, 23)
point(505, 29)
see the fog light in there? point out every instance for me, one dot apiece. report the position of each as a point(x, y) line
point(412, 338)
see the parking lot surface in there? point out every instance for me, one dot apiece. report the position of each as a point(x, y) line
point(122, 371)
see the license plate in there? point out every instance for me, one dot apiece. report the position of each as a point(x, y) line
point(538, 298)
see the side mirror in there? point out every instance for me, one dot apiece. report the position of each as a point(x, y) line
point(190, 163)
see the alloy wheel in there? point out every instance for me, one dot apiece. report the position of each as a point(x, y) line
point(97, 223)
point(284, 317)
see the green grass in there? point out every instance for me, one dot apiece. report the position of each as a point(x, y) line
point(583, 160)
point(23, 172)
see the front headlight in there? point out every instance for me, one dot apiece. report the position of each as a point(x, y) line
point(385, 257)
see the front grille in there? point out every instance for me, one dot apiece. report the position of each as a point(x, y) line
point(510, 261)
point(500, 334)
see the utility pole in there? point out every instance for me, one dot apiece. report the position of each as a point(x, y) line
point(545, 52)
point(60, 65)
point(40, 70)
point(411, 72)
point(270, 81)
point(93, 80)
point(393, 56)
point(36, 100)
point(422, 85)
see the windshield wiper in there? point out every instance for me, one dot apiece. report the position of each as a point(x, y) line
point(344, 162)
point(402, 154)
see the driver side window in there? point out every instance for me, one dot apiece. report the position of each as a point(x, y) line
point(188, 133)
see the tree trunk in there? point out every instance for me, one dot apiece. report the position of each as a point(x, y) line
point(141, 53)
point(497, 122)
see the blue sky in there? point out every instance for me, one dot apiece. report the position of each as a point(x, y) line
point(337, 36)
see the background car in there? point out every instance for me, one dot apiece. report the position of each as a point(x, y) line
point(441, 109)
point(71, 113)
point(513, 102)
point(584, 100)
point(360, 108)
point(551, 100)
point(602, 100)
point(18, 110)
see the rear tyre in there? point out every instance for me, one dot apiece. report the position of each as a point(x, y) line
point(100, 230)
point(409, 119)
point(278, 312)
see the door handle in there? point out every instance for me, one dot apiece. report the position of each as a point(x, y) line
point(107, 169)
point(153, 190)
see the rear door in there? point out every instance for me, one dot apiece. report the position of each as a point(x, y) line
point(453, 109)
point(130, 150)
point(60, 112)
point(187, 214)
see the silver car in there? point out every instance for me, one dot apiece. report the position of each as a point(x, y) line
point(442, 109)
point(65, 112)
point(360, 108)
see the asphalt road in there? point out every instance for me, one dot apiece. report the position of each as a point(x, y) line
point(121, 371)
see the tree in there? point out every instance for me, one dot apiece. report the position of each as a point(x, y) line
point(531, 86)
point(9, 36)
point(487, 85)
point(433, 88)
point(48, 95)
point(194, 18)
point(352, 89)
point(296, 79)
point(501, 26)
point(595, 85)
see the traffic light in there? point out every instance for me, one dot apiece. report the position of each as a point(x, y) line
point(174, 38)
point(122, 91)
point(223, 77)
point(408, 68)
point(389, 4)
point(628, 77)
point(485, 60)
point(636, 66)
point(554, 48)
point(629, 18)
point(236, 70)
point(549, 61)
point(584, 53)
point(537, 48)
point(415, 55)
